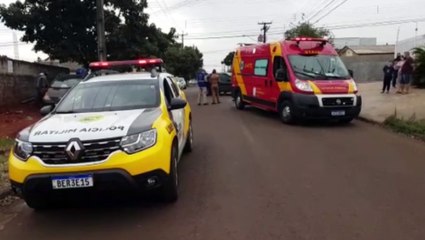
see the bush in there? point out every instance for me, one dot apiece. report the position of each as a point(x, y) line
point(419, 75)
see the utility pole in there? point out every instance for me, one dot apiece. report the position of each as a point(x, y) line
point(265, 29)
point(16, 45)
point(100, 19)
point(182, 36)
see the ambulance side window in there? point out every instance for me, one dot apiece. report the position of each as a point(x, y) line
point(278, 63)
point(261, 67)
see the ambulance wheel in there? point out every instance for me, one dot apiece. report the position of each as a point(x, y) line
point(169, 191)
point(239, 103)
point(285, 112)
point(346, 120)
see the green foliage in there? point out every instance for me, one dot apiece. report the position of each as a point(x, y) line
point(307, 29)
point(228, 60)
point(410, 127)
point(66, 29)
point(183, 62)
point(5, 144)
point(419, 75)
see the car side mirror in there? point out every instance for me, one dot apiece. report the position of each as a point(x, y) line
point(46, 110)
point(177, 103)
point(351, 73)
point(282, 75)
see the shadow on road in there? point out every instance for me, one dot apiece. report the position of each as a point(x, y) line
point(312, 124)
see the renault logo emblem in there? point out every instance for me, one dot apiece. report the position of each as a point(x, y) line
point(74, 149)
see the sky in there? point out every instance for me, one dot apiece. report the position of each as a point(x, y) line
point(217, 26)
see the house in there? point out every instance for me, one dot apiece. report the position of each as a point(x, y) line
point(376, 51)
point(340, 43)
point(367, 62)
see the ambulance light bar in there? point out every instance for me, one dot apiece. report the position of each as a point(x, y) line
point(139, 62)
point(309, 39)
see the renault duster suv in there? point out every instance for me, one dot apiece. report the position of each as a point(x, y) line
point(122, 131)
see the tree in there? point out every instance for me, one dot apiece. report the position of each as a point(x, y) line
point(307, 29)
point(228, 60)
point(66, 29)
point(419, 74)
point(183, 62)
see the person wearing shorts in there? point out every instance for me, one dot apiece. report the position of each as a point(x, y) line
point(406, 73)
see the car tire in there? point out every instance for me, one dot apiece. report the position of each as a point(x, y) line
point(286, 112)
point(189, 142)
point(169, 191)
point(239, 103)
point(37, 203)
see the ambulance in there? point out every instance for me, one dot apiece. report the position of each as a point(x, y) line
point(301, 79)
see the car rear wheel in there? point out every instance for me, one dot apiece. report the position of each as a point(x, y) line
point(239, 103)
point(169, 191)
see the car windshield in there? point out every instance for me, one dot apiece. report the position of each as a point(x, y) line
point(318, 67)
point(111, 96)
point(65, 84)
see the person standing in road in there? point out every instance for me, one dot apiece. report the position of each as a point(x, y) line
point(41, 86)
point(201, 78)
point(406, 73)
point(214, 81)
point(388, 77)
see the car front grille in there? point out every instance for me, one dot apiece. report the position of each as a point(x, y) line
point(94, 151)
point(338, 102)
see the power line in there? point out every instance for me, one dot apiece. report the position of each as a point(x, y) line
point(321, 10)
point(330, 11)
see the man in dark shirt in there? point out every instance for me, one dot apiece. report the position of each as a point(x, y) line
point(388, 76)
point(406, 73)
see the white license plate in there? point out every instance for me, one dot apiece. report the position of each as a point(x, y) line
point(75, 181)
point(338, 113)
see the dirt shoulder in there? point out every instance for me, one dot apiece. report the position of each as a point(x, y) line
point(12, 121)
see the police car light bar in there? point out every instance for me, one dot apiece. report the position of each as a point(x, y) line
point(139, 62)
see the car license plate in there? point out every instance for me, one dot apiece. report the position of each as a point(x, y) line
point(76, 181)
point(338, 113)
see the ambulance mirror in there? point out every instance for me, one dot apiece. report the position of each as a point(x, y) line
point(282, 75)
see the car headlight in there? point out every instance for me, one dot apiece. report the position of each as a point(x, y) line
point(139, 142)
point(23, 150)
point(355, 89)
point(303, 85)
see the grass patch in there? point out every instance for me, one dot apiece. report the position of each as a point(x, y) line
point(5, 145)
point(410, 127)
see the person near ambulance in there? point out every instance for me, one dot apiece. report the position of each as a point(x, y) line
point(214, 81)
point(201, 78)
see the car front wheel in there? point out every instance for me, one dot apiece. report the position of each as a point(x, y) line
point(169, 191)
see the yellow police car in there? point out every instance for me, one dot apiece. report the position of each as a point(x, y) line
point(120, 131)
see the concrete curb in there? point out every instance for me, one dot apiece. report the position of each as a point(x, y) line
point(368, 120)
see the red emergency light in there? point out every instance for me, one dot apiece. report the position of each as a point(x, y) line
point(310, 39)
point(139, 62)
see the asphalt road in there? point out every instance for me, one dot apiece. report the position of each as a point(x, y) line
point(251, 177)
